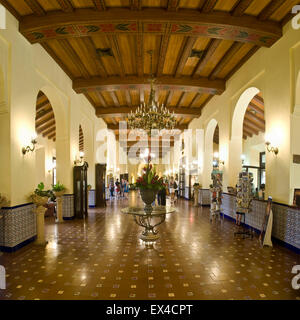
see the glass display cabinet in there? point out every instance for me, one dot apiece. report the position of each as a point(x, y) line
point(80, 191)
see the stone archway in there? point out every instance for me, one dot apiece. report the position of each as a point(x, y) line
point(62, 137)
point(236, 141)
point(208, 151)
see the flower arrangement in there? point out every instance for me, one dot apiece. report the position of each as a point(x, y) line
point(150, 180)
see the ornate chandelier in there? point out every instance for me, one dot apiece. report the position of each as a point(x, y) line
point(152, 115)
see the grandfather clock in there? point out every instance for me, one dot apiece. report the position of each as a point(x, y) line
point(100, 185)
point(80, 191)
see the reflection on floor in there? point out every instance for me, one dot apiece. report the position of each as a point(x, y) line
point(103, 258)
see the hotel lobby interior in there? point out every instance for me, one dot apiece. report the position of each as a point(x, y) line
point(149, 150)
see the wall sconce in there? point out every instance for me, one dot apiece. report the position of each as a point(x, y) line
point(271, 148)
point(217, 161)
point(30, 148)
point(243, 157)
point(79, 161)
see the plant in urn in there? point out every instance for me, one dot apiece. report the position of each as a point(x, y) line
point(149, 184)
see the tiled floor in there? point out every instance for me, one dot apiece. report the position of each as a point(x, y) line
point(103, 258)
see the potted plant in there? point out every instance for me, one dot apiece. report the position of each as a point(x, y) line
point(59, 189)
point(149, 184)
point(40, 196)
point(89, 187)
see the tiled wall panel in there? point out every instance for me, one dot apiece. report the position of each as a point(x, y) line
point(286, 220)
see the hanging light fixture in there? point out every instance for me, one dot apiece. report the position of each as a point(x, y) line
point(152, 115)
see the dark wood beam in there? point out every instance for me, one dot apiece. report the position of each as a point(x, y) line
point(207, 56)
point(98, 65)
point(257, 120)
point(163, 50)
point(74, 57)
point(135, 4)
point(35, 7)
point(226, 58)
point(140, 54)
point(250, 129)
point(99, 5)
point(45, 126)
point(173, 5)
point(117, 54)
point(180, 99)
point(43, 105)
point(209, 6)
point(188, 46)
point(119, 112)
point(219, 25)
point(258, 101)
point(115, 98)
point(247, 132)
point(169, 98)
point(128, 98)
point(49, 131)
point(256, 126)
point(270, 9)
point(65, 5)
point(241, 7)
point(100, 97)
point(200, 85)
point(52, 136)
point(44, 119)
point(256, 109)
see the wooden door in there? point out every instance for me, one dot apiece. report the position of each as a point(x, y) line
point(100, 185)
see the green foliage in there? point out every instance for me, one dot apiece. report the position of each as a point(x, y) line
point(58, 187)
point(41, 192)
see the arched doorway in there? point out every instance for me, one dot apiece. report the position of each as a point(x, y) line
point(45, 154)
point(254, 155)
point(211, 146)
point(45, 126)
point(248, 137)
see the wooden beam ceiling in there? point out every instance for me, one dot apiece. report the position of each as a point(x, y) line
point(219, 25)
point(241, 6)
point(201, 85)
point(123, 111)
point(65, 5)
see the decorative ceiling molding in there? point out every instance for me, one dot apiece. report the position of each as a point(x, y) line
point(88, 22)
point(200, 85)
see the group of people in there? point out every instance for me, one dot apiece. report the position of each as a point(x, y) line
point(119, 189)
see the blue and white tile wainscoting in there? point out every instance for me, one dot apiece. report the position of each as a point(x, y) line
point(204, 197)
point(92, 198)
point(68, 206)
point(286, 220)
point(17, 227)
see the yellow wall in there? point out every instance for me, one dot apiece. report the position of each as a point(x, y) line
point(26, 70)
